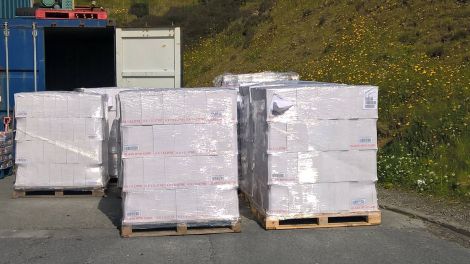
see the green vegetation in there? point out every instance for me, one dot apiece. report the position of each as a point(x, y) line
point(417, 52)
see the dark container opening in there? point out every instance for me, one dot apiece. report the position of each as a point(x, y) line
point(79, 58)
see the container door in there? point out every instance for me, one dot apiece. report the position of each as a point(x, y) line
point(148, 58)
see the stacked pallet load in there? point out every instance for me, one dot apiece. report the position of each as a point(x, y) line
point(61, 143)
point(6, 153)
point(238, 81)
point(311, 154)
point(179, 150)
point(247, 79)
point(114, 142)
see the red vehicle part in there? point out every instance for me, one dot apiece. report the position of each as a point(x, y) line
point(78, 13)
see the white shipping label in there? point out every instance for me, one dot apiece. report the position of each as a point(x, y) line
point(133, 213)
point(216, 178)
point(278, 175)
point(370, 99)
point(365, 140)
point(130, 147)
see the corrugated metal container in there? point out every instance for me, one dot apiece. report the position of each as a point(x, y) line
point(84, 53)
point(148, 57)
point(8, 7)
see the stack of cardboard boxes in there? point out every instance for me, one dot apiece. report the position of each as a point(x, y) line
point(239, 80)
point(309, 148)
point(114, 142)
point(179, 150)
point(61, 140)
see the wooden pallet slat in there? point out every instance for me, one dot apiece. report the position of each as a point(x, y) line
point(321, 220)
point(58, 193)
point(180, 230)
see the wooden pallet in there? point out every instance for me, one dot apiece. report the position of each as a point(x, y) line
point(31, 193)
point(113, 181)
point(326, 220)
point(179, 230)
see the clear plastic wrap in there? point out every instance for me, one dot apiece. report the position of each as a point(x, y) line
point(179, 149)
point(179, 140)
point(321, 135)
point(177, 106)
point(303, 200)
point(114, 141)
point(60, 104)
point(315, 101)
point(308, 145)
point(208, 205)
point(237, 80)
point(110, 92)
point(179, 172)
point(318, 166)
point(48, 176)
point(60, 129)
point(61, 140)
point(91, 152)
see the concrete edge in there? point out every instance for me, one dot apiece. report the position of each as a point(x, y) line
point(448, 224)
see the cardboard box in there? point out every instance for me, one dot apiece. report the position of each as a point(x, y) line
point(61, 129)
point(236, 80)
point(178, 106)
point(56, 176)
point(311, 101)
point(320, 167)
point(41, 151)
point(205, 205)
point(322, 135)
point(305, 199)
point(60, 104)
point(178, 140)
point(110, 92)
point(179, 172)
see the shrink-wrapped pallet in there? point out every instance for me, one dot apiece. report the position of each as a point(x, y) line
point(114, 140)
point(309, 148)
point(179, 150)
point(61, 140)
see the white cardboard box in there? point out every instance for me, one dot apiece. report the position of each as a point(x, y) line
point(178, 106)
point(310, 101)
point(47, 176)
point(80, 152)
point(60, 104)
point(181, 205)
point(178, 140)
point(321, 167)
point(179, 172)
point(60, 129)
point(322, 135)
point(305, 199)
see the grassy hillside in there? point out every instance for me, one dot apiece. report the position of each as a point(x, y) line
point(417, 52)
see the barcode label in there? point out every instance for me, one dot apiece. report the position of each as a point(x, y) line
point(218, 178)
point(278, 175)
point(370, 99)
point(130, 147)
point(133, 213)
point(21, 160)
point(359, 202)
point(216, 114)
point(365, 140)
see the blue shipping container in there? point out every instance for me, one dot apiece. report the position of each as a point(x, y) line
point(8, 7)
point(70, 53)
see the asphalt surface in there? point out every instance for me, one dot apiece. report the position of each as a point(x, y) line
point(84, 230)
